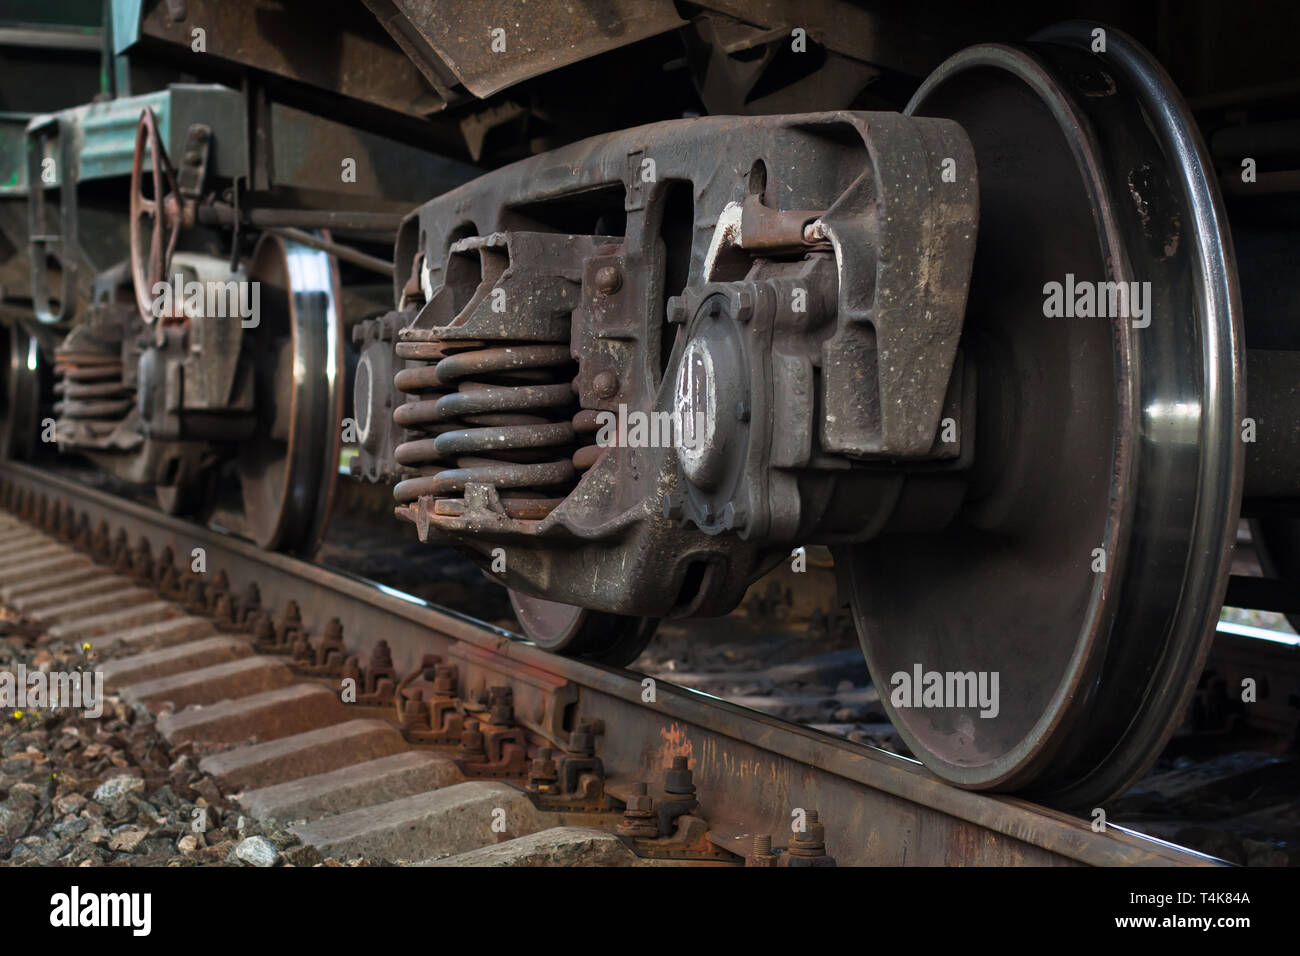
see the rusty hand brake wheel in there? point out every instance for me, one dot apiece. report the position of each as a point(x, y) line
point(161, 215)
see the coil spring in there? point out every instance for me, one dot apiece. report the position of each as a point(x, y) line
point(498, 414)
point(91, 391)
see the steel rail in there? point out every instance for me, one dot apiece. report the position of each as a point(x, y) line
point(752, 770)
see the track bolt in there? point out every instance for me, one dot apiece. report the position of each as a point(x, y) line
point(679, 780)
point(381, 658)
point(501, 706)
point(224, 612)
point(582, 743)
point(263, 630)
point(251, 602)
point(471, 743)
point(194, 600)
point(220, 583)
point(673, 506)
point(639, 816)
point(762, 855)
point(543, 774)
point(605, 385)
point(814, 231)
point(444, 680)
point(168, 582)
point(120, 554)
point(809, 847)
point(608, 280)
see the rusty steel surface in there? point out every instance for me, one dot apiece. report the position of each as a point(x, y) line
point(339, 47)
point(748, 771)
point(489, 47)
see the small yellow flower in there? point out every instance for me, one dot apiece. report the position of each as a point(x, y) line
point(86, 647)
point(18, 715)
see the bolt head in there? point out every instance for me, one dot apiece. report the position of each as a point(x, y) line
point(608, 280)
point(744, 305)
point(676, 310)
point(605, 385)
point(814, 231)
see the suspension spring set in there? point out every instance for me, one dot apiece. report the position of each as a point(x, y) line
point(494, 413)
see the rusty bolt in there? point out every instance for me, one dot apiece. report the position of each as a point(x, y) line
point(638, 817)
point(471, 742)
point(444, 680)
point(678, 780)
point(223, 610)
point(812, 841)
point(608, 280)
point(762, 855)
point(168, 582)
point(605, 385)
point(673, 506)
point(543, 773)
point(582, 743)
point(381, 656)
point(814, 231)
point(640, 804)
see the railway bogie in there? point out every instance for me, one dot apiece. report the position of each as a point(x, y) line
point(978, 317)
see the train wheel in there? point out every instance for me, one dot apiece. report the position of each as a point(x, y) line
point(1091, 558)
point(289, 468)
point(20, 393)
point(577, 632)
point(193, 494)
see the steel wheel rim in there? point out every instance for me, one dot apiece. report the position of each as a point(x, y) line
point(19, 393)
point(288, 479)
point(573, 631)
point(1100, 722)
point(550, 625)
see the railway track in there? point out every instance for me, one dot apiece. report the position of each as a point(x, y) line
point(285, 674)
